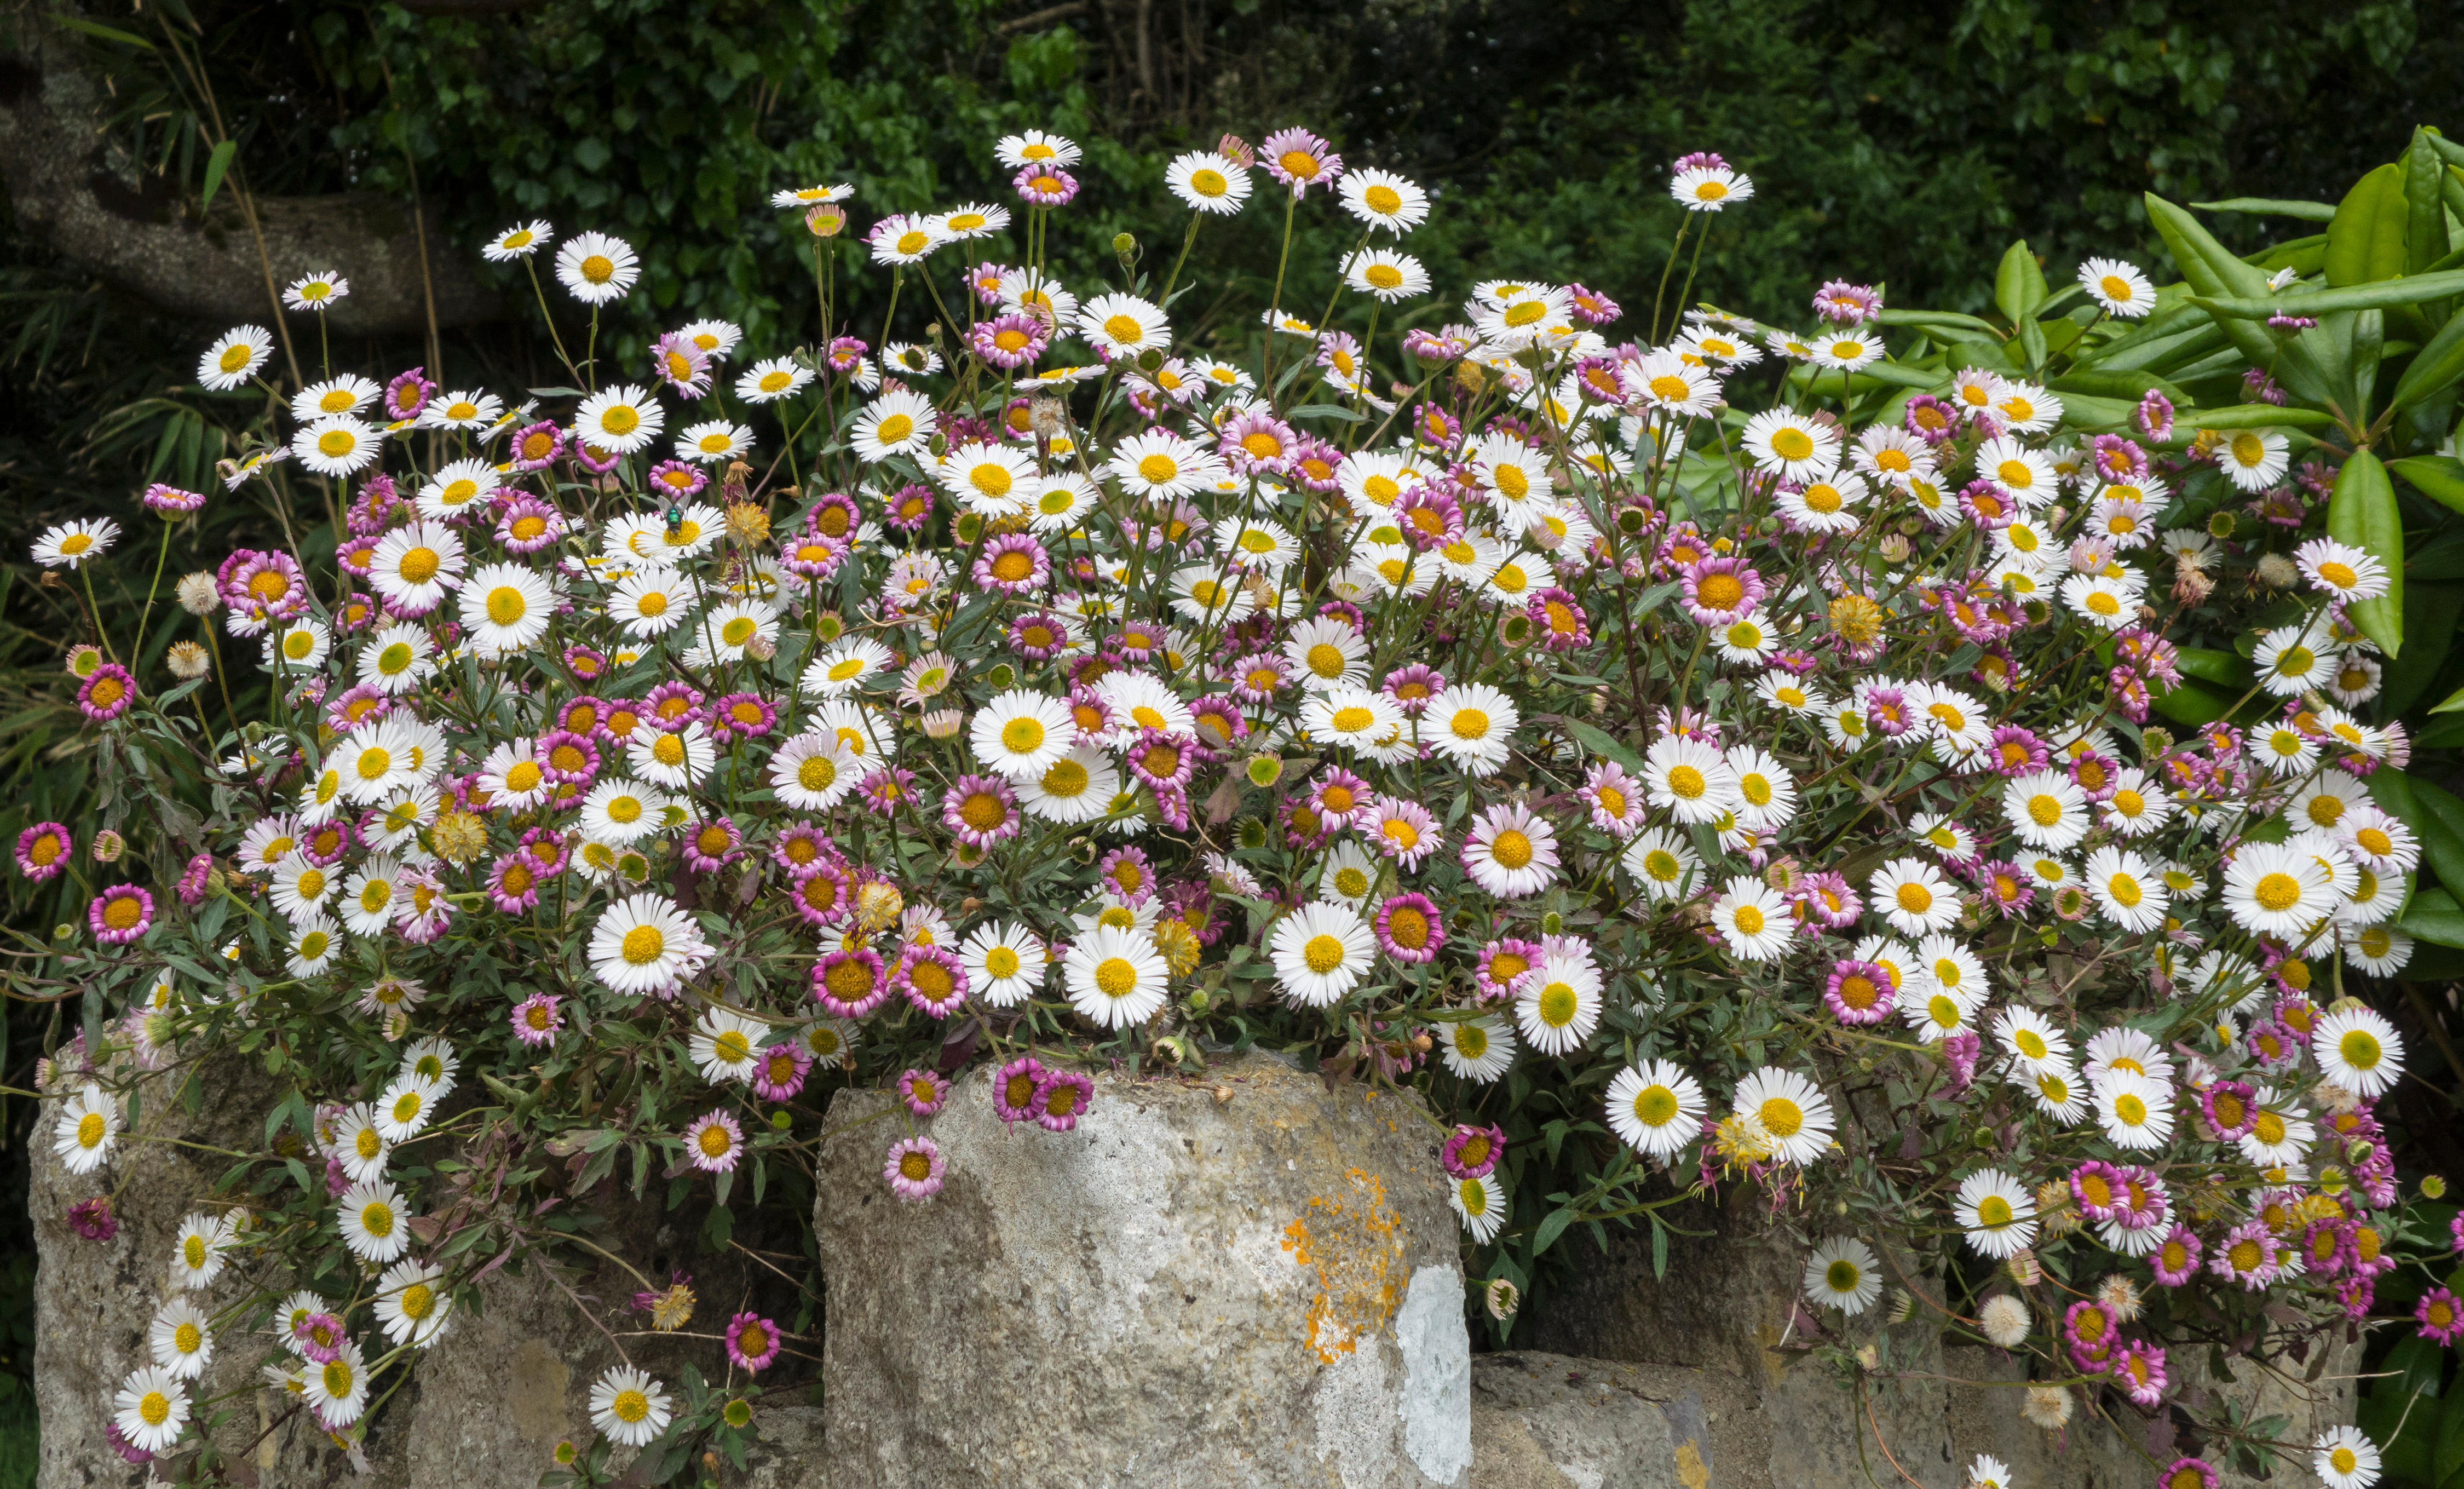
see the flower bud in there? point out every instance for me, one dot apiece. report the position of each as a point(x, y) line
point(108, 846)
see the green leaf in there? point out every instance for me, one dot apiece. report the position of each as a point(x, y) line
point(2376, 295)
point(2454, 703)
point(2437, 476)
point(2019, 284)
point(98, 29)
point(2271, 206)
point(2434, 813)
point(2363, 512)
point(1550, 1229)
point(2215, 272)
point(1939, 319)
point(215, 165)
point(2424, 229)
point(2433, 917)
point(2249, 415)
point(2194, 703)
point(1599, 741)
point(2225, 669)
point(2435, 369)
point(2127, 386)
point(2365, 237)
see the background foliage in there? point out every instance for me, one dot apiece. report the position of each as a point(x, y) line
point(1895, 142)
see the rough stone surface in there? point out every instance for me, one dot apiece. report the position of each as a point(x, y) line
point(1727, 1315)
point(1543, 1421)
point(486, 1404)
point(1258, 1290)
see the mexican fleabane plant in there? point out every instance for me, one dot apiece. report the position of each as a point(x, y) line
point(1685, 779)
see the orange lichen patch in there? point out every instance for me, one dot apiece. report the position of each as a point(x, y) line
point(1354, 1242)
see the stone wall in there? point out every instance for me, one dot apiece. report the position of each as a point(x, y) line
point(1250, 1278)
point(1246, 1280)
point(487, 1405)
point(1724, 1328)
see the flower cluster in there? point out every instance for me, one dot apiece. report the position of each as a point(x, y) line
point(1509, 708)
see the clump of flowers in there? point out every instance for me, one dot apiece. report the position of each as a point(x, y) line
point(1501, 702)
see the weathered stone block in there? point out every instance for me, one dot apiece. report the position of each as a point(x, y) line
point(488, 1403)
point(1261, 1289)
point(1728, 1311)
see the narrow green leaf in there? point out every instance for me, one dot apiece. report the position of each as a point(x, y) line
point(1940, 319)
point(2437, 476)
point(2377, 295)
point(2250, 416)
point(98, 29)
point(2019, 284)
point(2454, 703)
point(2271, 206)
point(2363, 512)
point(2129, 386)
point(2365, 237)
point(2215, 272)
point(216, 165)
point(2435, 369)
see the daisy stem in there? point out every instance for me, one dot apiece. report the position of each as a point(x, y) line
point(160, 556)
point(897, 282)
point(221, 681)
point(553, 334)
point(1695, 264)
point(591, 361)
point(1684, 224)
point(1187, 238)
point(1275, 301)
point(85, 576)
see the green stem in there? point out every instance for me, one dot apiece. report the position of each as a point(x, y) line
point(160, 556)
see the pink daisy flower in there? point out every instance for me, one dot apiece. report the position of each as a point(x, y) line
point(538, 1019)
point(1410, 928)
point(1015, 1085)
point(932, 979)
point(1044, 186)
point(925, 1092)
point(849, 983)
point(980, 811)
point(779, 1073)
point(1061, 1098)
point(711, 843)
point(121, 914)
point(753, 1342)
point(714, 1143)
point(1615, 798)
point(914, 1168)
point(1009, 341)
point(1300, 160)
point(107, 694)
point(44, 851)
point(1472, 1152)
point(1013, 563)
point(1859, 993)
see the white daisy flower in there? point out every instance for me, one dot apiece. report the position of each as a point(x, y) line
point(1477, 1049)
point(1843, 1272)
point(234, 357)
point(597, 269)
point(374, 1224)
point(1320, 952)
point(1656, 1108)
point(1997, 1212)
point(1115, 976)
point(642, 944)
